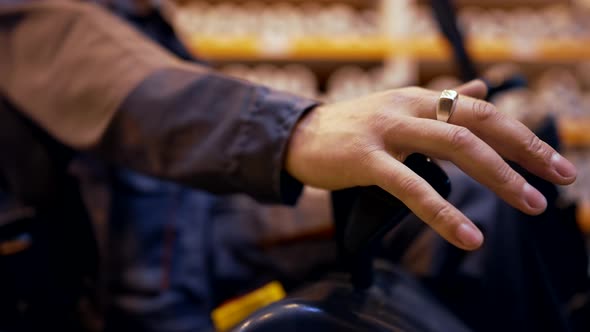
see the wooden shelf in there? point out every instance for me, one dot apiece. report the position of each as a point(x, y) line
point(503, 50)
point(312, 48)
point(377, 48)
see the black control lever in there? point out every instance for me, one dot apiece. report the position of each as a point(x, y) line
point(374, 212)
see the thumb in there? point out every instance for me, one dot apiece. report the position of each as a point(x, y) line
point(475, 89)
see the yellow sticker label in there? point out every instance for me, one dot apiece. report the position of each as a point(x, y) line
point(231, 313)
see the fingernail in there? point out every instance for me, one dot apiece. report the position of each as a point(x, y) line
point(469, 235)
point(534, 198)
point(563, 167)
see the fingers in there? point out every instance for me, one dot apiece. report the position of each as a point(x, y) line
point(473, 156)
point(509, 137)
point(475, 89)
point(424, 201)
point(513, 140)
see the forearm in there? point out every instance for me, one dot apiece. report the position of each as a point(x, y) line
point(205, 130)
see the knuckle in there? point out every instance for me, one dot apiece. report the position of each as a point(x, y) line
point(460, 137)
point(368, 155)
point(410, 186)
point(440, 215)
point(535, 147)
point(408, 93)
point(368, 160)
point(380, 119)
point(483, 110)
point(400, 97)
point(415, 90)
point(505, 175)
point(394, 130)
point(416, 101)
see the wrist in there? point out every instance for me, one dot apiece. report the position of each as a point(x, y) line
point(295, 155)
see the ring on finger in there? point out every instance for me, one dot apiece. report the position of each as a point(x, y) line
point(447, 103)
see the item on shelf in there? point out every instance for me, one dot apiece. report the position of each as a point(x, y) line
point(302, 80)
point(579, 190)
point(423, 24)
point(523, 105)
point(237, 70)
point(501, 72)
point(586, 103)
point(559, 91)
point(556, 91)
point(349, 82)
point(352, 81)
point(582, 71)
point(521, 24)
point(295, 79)
point(283, 19)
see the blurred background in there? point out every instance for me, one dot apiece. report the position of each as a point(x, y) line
point(334, 50)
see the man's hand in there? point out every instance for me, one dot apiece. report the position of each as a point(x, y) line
point(364, 142)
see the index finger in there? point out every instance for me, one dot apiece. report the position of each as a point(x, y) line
point(426, 203)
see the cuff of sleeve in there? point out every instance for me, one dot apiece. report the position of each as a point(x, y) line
point(270, 121)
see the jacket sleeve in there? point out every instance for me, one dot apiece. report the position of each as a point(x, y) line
point(96, 84)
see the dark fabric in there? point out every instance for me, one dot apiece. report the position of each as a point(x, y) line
point(32, 164)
